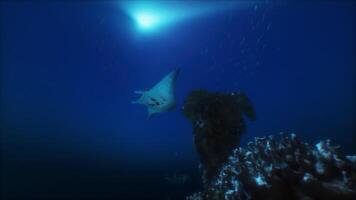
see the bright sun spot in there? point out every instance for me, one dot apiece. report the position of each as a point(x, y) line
point(146, 20)
point(151, 16)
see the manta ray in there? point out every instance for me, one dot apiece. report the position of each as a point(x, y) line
point(160, 98)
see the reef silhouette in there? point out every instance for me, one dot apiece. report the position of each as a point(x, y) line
point(267, 168)
point(218, 122)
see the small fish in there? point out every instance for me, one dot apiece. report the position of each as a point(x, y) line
point(177, 179)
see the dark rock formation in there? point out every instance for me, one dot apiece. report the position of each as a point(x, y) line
point(218, 122)
point(282, 169)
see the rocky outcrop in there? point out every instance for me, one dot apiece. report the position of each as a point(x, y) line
point(218, 123)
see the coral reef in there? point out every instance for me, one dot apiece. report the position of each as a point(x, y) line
point(218, 122)
point(284, 168)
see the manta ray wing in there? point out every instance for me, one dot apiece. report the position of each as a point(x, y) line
point(160, 98)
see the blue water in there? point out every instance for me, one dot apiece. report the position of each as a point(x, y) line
point(68, 72)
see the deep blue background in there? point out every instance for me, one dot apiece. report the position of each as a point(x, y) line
point(68, 72)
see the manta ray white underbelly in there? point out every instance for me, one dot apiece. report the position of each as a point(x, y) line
point(160, 98)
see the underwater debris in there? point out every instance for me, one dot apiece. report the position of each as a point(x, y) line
point(284, 169)
point(218, 122)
